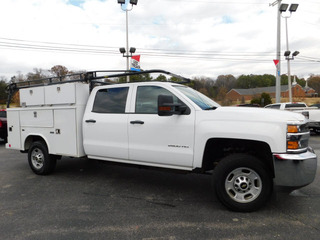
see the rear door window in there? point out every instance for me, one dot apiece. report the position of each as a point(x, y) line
point(274, 106)
point(111, 100)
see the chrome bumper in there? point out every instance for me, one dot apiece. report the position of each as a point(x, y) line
point(295, 170)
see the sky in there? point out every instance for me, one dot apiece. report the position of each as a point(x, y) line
point(192, 38)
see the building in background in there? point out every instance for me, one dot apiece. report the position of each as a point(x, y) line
point(247, 94)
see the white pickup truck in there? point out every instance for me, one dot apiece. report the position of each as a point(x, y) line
point(166, 125)
point(311, 113)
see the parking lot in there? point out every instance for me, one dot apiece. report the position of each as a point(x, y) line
point(87, 199)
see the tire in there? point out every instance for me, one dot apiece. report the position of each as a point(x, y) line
point(242, 183)
point(40, 161)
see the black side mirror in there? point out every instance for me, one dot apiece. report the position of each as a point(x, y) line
point(166, 107)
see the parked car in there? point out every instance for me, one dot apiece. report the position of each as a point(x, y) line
point(312, 113)
point(3, 125)
point(287, 106)
point(248, 105)
point(316, 105)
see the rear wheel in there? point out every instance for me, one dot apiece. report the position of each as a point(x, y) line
point(242, 182)
point(40, 161)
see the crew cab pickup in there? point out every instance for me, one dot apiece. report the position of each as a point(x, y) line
point(311, 113)
point(165, 125)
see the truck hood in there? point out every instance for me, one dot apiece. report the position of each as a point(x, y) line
point(257, 124)
point(256, 114)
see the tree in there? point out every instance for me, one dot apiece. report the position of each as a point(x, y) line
point(161, 78)
point(314, 82)
point(204, 85)
point(284, 80)
point(227, 81)
point(136, 78)
point(3, 93)
point(222, 94)
point(263, 100)
point(36, 74)
point(253, 81)
point(18, 78)
point(245, 81)
point(59, 70)
point(268, 80)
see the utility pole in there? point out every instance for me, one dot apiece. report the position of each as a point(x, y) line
point(123, 2)
point(293, 8)
point(278, 66)
point(288, 65)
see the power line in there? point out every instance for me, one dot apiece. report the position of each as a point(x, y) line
point(309, 59)
point(54, 43)
point(256, 57)
point(103, 48)
point(216, 2)
point(115, 52)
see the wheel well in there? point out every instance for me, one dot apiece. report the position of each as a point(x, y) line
point(30, 139)
point(218, 148)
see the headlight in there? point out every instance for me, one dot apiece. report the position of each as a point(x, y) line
point(297, 138)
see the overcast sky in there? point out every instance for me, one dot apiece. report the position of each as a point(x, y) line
point(188, 37)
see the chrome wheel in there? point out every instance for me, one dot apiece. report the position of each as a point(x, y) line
point(37, 158)
point(243, 185)
point(40, 161)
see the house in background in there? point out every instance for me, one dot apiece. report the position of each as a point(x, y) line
point(248, 94)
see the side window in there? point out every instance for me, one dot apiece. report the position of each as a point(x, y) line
point(275, 106)
point(290, 105)
point(111, 100)
point(147, 99)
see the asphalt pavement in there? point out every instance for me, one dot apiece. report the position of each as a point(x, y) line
point(88, 199)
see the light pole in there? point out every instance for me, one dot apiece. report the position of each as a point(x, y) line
point(132, 2)
point(293, 8)
point(278, 66)
point(131, 51)
point(288, 58)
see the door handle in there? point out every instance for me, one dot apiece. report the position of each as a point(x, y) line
point(137, 122)
point(91, 121)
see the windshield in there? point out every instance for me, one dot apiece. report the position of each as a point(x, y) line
point(198, 98)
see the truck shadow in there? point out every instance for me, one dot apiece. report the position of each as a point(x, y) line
point(154, 185)
point(137, 182)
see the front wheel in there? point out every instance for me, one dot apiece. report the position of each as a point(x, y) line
point(40, 161)
point(242, 182)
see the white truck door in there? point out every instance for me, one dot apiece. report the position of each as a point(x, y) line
point(105, 133)
point(160, 140)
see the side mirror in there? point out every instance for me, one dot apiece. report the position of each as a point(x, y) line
point(166, 107)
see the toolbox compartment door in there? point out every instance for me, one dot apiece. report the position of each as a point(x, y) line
point(60, 94)
point(37, 118)
point(32, 96)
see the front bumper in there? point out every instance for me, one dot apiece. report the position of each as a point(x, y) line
point(295, 170)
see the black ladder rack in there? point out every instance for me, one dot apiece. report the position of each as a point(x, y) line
point(91, 77)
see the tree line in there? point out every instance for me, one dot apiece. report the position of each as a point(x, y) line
point(213, 88)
